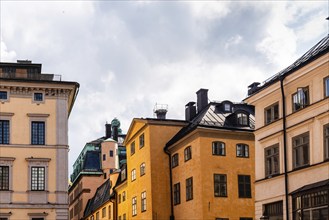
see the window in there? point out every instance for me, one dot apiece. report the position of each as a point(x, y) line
point(221, 219)
point(218, 148)
point(124, 217)
point(38, 219)
point(143, 201)
point(220, 185)
point(111, 153)
point(227, 107)
point(326, 87)
point(274, 211)
point(38, 96)
point(326, 141)
point(142, 169)
point(134, 206)
point(271, 113)
point(141, 141)
point(119, 199)
point(272, 166)
point(174, 160)
point(104, 157)
point(300, 99)
point(97, 215)
point(300, 145)
point(104, 212)
point(189, 188)
point(311, 205)
point(176, 193)
point(4, 131)
point(244, 186)
point(4, 178)
point(242, 150)
point(242, 119)
point(132, 148)
point(187, 153)
point(124, 196)
point(38, 133)
point(38, 178)
point(133, 175)
point(3, 95)
point(244, 218)
point(119, 217)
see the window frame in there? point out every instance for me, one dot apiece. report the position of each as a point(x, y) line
point(4, 131)
point(36, 96)
point(176, 196)
point(240, 120)
point(298, 147)
point(218, 183)
point(187, 153)
point(6, 99)
point(273, 117)
point(40, 132)
point(296, 96)
point(111, 153)
point(244, 186)
point(326, 141)
point(271, 158)
point(143, 201)
point(175, 160)
point(5, 179)
point(273, 209)
point(134, 206)
point(38, 179)
point(142, 169)
point(189, 188)
point(244, 153)
point(217, 150)
point(326, 87)
point(104, 212)
point(133, 175)
point(132, 148)
point(141, 141)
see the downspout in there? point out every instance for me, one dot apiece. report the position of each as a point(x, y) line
point(284, 128)
point(172, 217)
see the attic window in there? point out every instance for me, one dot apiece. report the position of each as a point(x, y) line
point(242, 119)
point(227, 107)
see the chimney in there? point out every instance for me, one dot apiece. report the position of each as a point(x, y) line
point(107, 130)
point(202, 99)
point(190, 111)
point(115, 133)
point(160, 110)
point(253, 87)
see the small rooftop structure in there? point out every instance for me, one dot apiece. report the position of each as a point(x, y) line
point(160, 110)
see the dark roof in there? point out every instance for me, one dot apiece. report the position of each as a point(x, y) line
point(316, 51)
point(92, 161)
point(322, 184)
point(102, 195)
point(214, 116)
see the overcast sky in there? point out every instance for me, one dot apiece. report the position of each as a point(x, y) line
point(128, 56)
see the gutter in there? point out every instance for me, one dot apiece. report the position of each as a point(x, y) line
point(284, 129)
point(172, 216)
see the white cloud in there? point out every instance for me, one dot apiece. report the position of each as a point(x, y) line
point(235, 40)
point(5, 54)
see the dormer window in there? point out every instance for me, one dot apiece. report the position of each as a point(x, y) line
point(227, 107)
point(300, 99)
point(242, 119)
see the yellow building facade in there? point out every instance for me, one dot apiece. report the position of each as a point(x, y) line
point(148, 187)
point(292, 139)
point(212, 162)
point(34, 111)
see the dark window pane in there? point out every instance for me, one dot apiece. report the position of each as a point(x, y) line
point(4, 177)
point(38, 133)
point(4, 132)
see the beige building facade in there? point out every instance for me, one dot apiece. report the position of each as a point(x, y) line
point(292, 139)
point(34, 111)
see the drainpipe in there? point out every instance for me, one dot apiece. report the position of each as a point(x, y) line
point(285, 146)
point(172, 217)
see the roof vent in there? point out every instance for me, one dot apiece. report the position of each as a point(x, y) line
point(253, 87)
point(24, 61)
point(160, 110)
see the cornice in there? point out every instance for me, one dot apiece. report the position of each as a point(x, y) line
point(28, 90)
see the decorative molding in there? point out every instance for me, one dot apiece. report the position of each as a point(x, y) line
point(37, 115)
point(36, 159)
point(8, 114)
point(5, 214)
point(7, 158)
point(28, 91)
point(37, 214)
